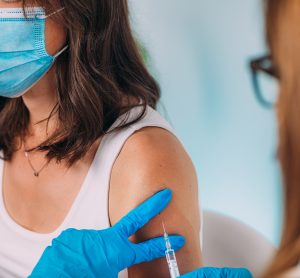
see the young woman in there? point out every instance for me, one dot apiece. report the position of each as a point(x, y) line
point(81, 141)
point(283, 37)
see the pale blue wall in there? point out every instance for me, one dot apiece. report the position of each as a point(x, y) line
point(199, 51)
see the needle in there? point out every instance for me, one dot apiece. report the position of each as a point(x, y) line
point(163, 223)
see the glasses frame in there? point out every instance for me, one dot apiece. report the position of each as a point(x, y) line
point(258, 65)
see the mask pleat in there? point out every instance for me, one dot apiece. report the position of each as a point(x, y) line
point(23, 56)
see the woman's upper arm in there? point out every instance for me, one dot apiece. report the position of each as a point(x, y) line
point(153, 159)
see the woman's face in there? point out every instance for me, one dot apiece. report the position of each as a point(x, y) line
point(55, 33)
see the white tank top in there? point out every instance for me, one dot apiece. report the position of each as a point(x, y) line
point(20, 248)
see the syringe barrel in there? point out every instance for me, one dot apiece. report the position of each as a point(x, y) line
point(172, 263)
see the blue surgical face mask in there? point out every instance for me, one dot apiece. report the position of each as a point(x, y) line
point(23, 56)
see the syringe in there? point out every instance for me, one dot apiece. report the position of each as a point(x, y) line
point(170, 256)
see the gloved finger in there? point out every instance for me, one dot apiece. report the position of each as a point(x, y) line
point(155, 248)
point(204, 272)
point(236, 273)
point(214, 272)
point(139, 216)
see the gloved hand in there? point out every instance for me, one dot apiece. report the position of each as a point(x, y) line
point(211, 272)
point(104, 253)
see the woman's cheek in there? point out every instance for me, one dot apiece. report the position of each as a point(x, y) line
point(55, 36)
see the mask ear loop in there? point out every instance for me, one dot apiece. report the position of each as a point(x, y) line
point(59, 52)
point(45, 16)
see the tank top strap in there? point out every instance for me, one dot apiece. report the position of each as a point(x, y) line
point(113, 142)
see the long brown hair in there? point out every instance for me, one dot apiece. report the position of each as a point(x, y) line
point(283, 36)
point(101, 68)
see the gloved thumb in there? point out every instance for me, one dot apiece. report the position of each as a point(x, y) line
point(155, 248)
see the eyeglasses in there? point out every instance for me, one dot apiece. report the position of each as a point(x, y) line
point(265, 80)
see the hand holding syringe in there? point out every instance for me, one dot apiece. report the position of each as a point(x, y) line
point(201, 272)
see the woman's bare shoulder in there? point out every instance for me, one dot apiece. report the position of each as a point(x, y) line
point(152, 159)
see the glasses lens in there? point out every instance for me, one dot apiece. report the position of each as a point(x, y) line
point(268, 88)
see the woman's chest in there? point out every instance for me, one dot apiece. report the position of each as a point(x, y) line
point(41, 203)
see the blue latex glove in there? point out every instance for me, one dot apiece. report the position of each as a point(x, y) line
point(212, 272)
point(103, 253)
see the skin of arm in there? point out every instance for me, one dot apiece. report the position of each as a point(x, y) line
point(151, 160)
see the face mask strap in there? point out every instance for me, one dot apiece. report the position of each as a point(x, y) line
point(48, 15)
point(61, 51)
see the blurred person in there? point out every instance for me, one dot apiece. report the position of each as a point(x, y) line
point(283, 63)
